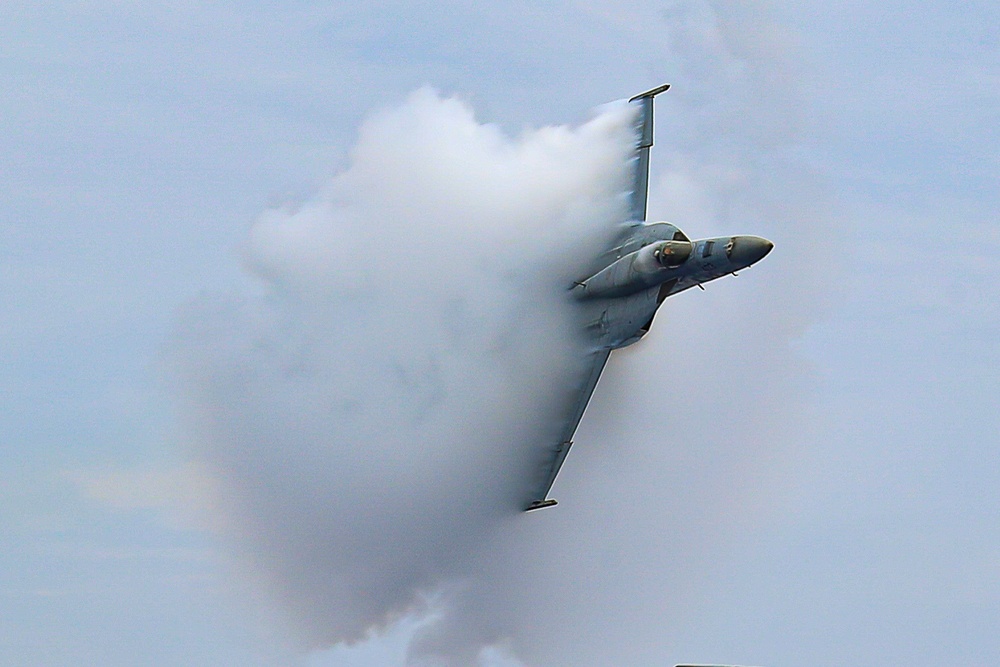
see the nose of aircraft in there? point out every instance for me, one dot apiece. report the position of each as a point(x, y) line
point(747, 250)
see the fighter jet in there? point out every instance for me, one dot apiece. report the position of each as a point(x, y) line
point(622, 290)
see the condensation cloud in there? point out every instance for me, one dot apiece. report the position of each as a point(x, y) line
point(370, 413)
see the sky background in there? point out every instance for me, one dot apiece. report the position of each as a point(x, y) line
point(827, 493)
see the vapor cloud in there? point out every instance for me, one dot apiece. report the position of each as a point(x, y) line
point(372, 412)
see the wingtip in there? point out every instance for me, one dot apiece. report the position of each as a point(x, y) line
point(539, 504)
point(651, 93)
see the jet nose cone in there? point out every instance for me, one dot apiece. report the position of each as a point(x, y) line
point(747, 250)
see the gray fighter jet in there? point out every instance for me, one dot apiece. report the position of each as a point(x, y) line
point(619, 295)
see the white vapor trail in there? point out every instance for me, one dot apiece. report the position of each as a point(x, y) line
point(370, 415)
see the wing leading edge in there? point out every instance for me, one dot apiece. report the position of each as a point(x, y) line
point(555, 455)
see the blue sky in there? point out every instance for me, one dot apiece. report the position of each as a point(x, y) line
point(142, 140)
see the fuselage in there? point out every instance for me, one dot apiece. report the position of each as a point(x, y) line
point(657, 261)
